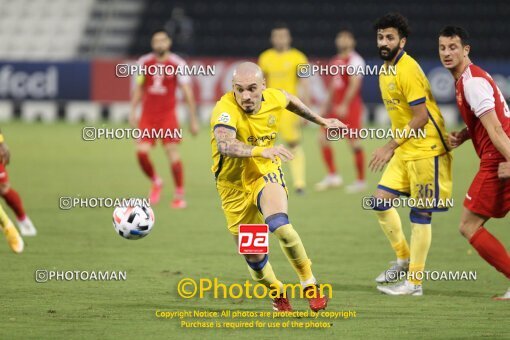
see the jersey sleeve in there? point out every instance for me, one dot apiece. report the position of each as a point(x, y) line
point(412, 83)
point(479, 95)
point(224, 117)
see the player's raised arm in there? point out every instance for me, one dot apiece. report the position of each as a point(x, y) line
point(229, 145)
point(294, 104)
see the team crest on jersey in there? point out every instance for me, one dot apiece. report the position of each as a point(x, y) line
point(224, 118)
point(271, 121)
point(391, 87)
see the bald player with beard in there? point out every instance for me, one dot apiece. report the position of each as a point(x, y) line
point(247, 167)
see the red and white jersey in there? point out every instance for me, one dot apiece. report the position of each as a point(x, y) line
point(478, 94)
point(341, 81)
point(159, 88)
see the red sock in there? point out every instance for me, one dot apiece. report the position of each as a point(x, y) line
point(146, 165)
point(327, 155)
point(178, 175)
point(491, 250)
point(359, 159)
point(13, 200)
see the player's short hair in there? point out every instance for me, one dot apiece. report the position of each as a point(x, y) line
point(394, 20)
point(455, 31)
point(159, 30)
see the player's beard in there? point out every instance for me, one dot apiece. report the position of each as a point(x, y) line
point(249, 110)
point(391, 53)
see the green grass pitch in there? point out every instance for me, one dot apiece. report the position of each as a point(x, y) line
point(345, 243)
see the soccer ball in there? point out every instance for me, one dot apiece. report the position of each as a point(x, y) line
point(133, 222)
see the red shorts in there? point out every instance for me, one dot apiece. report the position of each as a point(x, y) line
point(4, 177)
point(167, 130)
point(488, 195)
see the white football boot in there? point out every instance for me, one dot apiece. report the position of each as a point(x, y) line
point(357, 186)
point(330, 181)
point(26, 227)
point(504, 297)
point(394, 273)
point(402, 288)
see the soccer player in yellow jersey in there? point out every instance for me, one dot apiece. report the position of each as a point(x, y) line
point(419, 168)
point(246, 163)
point(279, 65)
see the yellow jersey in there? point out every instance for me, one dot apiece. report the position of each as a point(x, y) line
point(401, 90)
point(257, 129)
point(280, 69)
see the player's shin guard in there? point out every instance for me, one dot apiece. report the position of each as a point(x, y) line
point(390, 223)
point(491, 250)
point(292, 247)
point(146, 165)
point(263, 273)
point(297, 167)
point(421, 236)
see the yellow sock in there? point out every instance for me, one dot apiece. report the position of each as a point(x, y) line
point(266, 276)
point(297, 167)
point(5, 222)
point(392, 227)
point(420, 243)
point(293, 248)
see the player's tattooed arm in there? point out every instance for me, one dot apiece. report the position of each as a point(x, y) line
point(229, 145)
point(294, 104)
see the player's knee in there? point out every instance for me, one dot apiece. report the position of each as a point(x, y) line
point(377, 203)
point(173, 153)
point(4, 187)
point(256, 261)
point(143, 147)
point(275, 221)
point(293, 145)
point(420, 217)
point(467, 228)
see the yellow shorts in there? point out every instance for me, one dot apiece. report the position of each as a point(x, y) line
point(243, 207)
point(427, 182)
point(290, 127)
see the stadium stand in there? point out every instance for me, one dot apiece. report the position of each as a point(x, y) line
point(235, 28)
